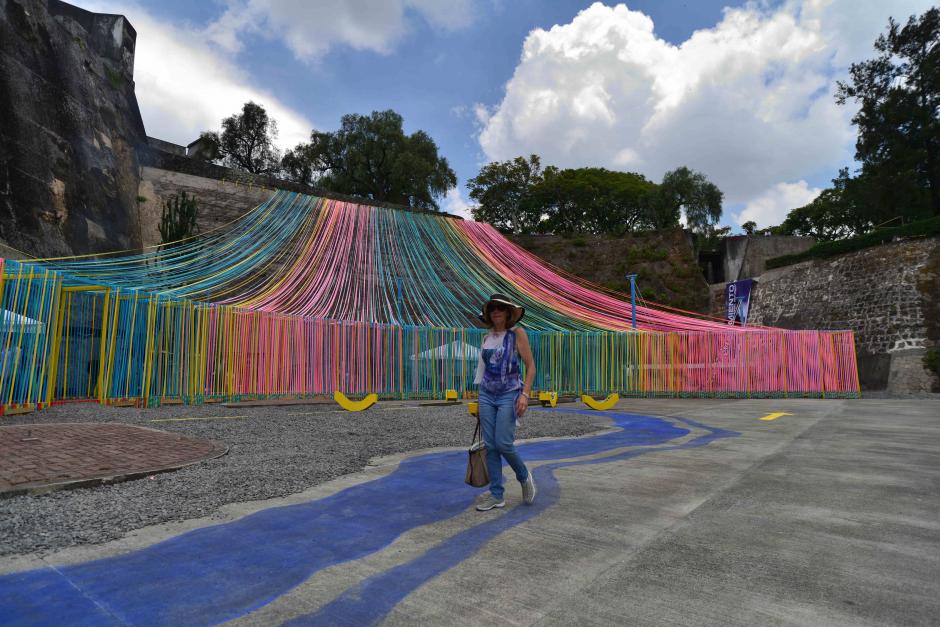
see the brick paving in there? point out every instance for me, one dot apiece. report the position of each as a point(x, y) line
point(49, 456)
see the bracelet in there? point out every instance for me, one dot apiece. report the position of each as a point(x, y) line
point(526, 394)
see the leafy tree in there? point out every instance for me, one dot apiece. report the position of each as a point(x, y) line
point(593, 200)
point(297, 164)
point(371, 156)
point(840, 211)
point(246, 142)
point(518, 196)
point(899, 117)
point(750, 227)
point(178, 219)
point(503, 189)
point(686, 190)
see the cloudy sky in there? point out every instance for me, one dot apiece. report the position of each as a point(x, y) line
point(741, 91)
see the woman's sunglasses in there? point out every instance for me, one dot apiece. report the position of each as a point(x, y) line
point(499, 307)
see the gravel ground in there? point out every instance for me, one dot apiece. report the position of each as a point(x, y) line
point(273, 452)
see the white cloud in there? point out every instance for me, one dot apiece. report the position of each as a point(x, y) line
point(310, 29)
point(185, 86)
point(455, 204)
point(749, 102)
point(771, 207)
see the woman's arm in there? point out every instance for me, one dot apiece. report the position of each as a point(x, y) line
point(525, 352)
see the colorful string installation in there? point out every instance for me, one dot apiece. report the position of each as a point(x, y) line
point(303, 296)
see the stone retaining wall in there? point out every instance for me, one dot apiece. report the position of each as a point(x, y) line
point(219, 201)
point(888, 295)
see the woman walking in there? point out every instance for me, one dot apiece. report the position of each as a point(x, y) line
point(503, 395)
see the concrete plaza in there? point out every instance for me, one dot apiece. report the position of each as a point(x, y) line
point(684, 512)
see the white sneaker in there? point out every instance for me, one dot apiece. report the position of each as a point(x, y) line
point(528, 489)
point(489, 502)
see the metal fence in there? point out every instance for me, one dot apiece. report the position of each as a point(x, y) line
point(63, 340)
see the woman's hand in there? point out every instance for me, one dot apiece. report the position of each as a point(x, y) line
point(522, 404)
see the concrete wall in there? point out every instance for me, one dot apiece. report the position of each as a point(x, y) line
point(746, 256)
point(888, 295)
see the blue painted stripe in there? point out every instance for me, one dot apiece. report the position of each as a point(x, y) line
point(368, 602)
point(219, 573)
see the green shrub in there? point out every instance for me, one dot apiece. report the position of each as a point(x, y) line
point(932, 361)
point(657, 254)
point(114, 77)
point(823, 250)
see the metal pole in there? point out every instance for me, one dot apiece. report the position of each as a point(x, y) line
point(398, 301)
point(632, 278)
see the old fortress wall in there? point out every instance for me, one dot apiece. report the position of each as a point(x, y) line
point(888, 295)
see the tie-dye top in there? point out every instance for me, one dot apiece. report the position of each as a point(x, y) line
point(498, 366)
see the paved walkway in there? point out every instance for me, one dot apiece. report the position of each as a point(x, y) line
point(687, 512)
point(44, 457)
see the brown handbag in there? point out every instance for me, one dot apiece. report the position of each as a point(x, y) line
point(477, 474)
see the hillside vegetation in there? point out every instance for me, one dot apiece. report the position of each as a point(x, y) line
point(663, 260)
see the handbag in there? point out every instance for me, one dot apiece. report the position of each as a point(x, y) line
point(477, 474)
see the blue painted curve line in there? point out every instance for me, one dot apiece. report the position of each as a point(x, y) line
point(368, 602)
point(218, 573)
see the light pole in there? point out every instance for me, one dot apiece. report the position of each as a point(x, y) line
point(632, 278)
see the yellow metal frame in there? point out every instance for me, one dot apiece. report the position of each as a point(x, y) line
point(59, 320)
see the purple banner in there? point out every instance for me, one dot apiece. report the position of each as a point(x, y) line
point(737, 301)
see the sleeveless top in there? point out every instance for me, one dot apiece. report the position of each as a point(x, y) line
point(498, 366)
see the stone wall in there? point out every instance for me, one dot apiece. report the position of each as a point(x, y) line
point(219, 201)
point(69, 129)
point(663, 261)
point(888, 295)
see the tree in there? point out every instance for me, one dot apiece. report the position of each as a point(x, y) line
point(593, 200)
point(899, 116)
point(503, 189)
point(686, 190)
point(750, 227)
point(178, 218)
point(246, 142)
point(297, 164)
point(840, 211)
point(518, 196)
point(371, 156)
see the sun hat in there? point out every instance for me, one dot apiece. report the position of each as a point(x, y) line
point(516, 311)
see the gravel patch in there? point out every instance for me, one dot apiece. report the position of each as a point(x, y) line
point(273, 452)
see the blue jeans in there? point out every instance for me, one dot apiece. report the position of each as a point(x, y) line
point(498, 420)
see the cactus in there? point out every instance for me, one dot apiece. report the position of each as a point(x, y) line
point(179, 218)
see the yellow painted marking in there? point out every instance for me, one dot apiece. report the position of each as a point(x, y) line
point(349, 405)
point(607, 403)
point(775, 415)
point(196, 418)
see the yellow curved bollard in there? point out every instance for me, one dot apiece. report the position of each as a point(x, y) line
point(607, 403)
point(474, 409)
point(548, 399)
point(349, 405)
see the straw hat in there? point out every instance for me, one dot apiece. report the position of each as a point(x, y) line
point(515, 311)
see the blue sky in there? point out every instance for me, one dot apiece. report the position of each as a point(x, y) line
point(739, 91)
